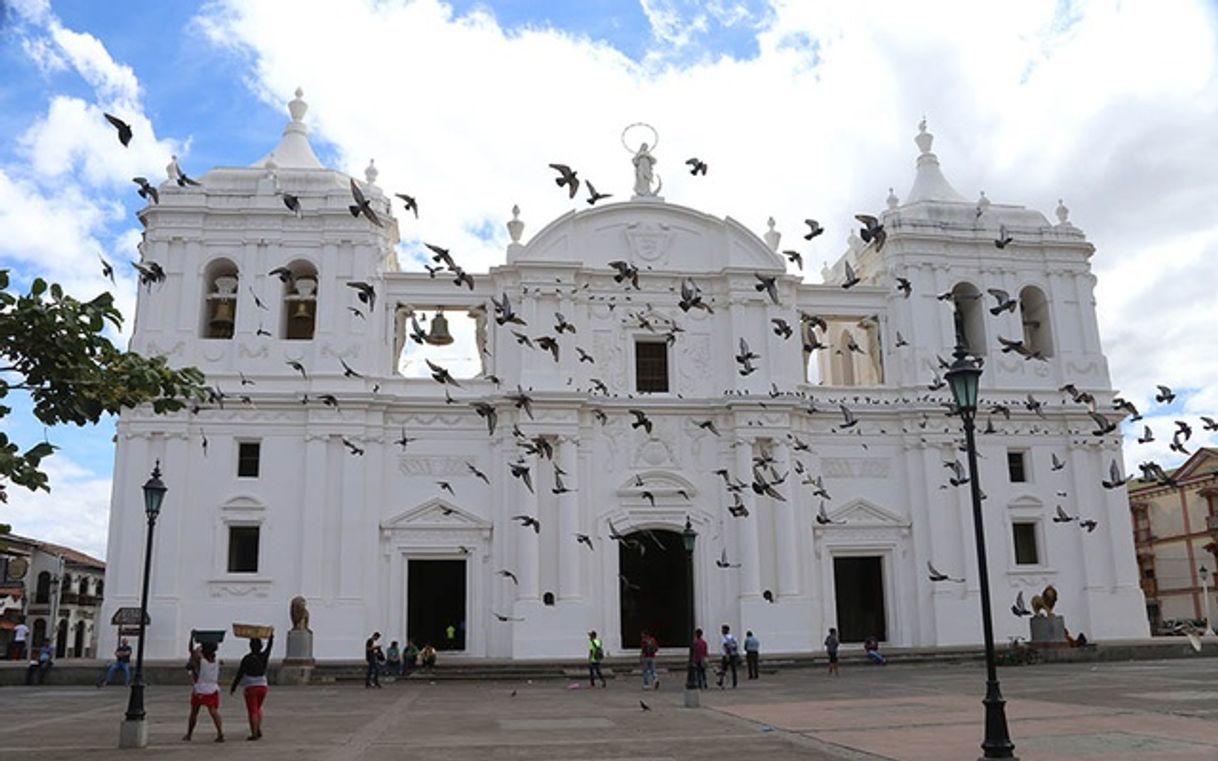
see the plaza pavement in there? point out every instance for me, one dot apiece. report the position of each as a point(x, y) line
point(1162, 710)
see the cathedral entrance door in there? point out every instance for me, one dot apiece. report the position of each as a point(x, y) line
point(435, 601)
point(858, 583)
point(655, 591)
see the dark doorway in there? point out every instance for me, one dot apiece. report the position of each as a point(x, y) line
point(655, 588)
point(435, 601)
point(61, 639)
point(859, 586)
point(78, 640)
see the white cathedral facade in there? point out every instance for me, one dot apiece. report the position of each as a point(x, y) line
point(292, 495)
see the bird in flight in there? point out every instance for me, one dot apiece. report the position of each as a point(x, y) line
point(722, 561)
point(640, 420)
point(1020, 608)
point(936, 575)
point(566, 176)
point(625, 271)
point(1004, 238)
point(1165, 395)
point(123, 128)
point(872, 231)
point(594, 196)
point(795, 258)
point(767, 284)
point(1004, 301)
point(814, 229)
point(904, 286)
point(411, 204)
point(851, 278)
point(362, 206)
point(365, 292)
point(528, 521)
point(696, 166)
point(146, 189)
point(1114, 480)
point(1061, 516)
point(521, 470)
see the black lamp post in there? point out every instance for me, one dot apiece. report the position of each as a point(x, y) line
point(688, 537)
point(154, 495)
point(964, 377)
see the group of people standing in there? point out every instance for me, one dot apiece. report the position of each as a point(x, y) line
point(699, 655)
point(204, 668)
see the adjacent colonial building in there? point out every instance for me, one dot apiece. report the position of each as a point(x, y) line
point(336, 468)
point(1175, 530)
point(56, 591)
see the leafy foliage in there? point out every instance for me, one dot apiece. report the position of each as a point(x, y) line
point(53, 347)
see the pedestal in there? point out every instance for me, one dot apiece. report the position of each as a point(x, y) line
point(133, 734)
point(1047, 629)
point(300, 648)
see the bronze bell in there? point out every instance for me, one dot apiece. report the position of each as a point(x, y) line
point(301, 312)
point(221, 322)
point(439, 335)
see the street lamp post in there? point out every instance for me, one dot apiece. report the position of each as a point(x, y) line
point(1204, 573)
point(134, 731)
point(688, 538)
point(964, 377)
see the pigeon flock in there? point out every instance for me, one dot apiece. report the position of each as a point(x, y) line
point(846, 415)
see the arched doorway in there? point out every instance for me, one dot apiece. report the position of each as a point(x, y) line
point(656, 591)
point(61, 638)
point(78, 640)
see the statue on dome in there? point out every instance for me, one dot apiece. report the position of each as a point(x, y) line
point(644, 163)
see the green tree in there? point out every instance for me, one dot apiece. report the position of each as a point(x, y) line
point(54, 348)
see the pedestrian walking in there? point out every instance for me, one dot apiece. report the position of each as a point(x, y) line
point(596, 654)
point(752, 653)
point(730, 649)
point(205, 693)
point(831, 645)
point(648, 648)
point(698, 652)
point(251, 675)
point(393, 659)
point(373, 657)
point(121, 662)
point(21, 634)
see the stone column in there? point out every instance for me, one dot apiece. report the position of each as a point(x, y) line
point(528, 543)
point(569, 560)
point(787, 537)
point(749, 551)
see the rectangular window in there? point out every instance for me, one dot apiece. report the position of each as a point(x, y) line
point(243, 549)
point(1017, 466)
point(1026, 550)
point(248, 455)
point(651, 367)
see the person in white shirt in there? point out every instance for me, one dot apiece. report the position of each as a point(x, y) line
point(731, 655)
point(20, 635)
point(205, 668)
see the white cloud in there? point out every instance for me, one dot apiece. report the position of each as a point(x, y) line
point(75, 513)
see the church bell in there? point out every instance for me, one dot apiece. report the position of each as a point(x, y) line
point(301, 313)
point(439, 335)
point(221, 322)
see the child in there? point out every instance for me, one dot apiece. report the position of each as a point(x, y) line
point(831, 645)
point(205, 669)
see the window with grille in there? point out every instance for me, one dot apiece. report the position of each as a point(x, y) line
point(1017, 466)
point(249, 453)
point(243, 549)
point(651, 367)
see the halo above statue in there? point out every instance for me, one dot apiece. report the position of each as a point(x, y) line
point(655, 137)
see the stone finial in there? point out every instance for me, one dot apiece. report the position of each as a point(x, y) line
point(1062, 212)
point(371, 172)
point(271, 165)
point(297, 107)
point(515, 226)
point(983, 203)
point(772, 236)
point(924, 139)
point(892, 200)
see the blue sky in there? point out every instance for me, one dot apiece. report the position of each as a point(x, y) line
point(803, 105)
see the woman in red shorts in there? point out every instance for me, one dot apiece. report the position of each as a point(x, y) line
point(206, 692)
point(252, 676)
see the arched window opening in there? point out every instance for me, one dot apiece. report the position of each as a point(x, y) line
point(78, 640)
point(220, 282)
point(40, 634)
point(101, 585)
point(299, 317)
point(42, 593)
point(1034, 314)
point(969, 318)
point(61, 638)
point(66, 584)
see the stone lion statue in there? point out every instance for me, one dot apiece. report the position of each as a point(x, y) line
point(300, 614)
point(1042, 604)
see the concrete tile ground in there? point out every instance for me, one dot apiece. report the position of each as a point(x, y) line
point(1163, 710)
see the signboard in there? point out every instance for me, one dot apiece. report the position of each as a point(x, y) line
point(128, 631)
point(129, 617)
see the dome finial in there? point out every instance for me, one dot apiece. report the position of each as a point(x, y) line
point(297, 107)
point(924, 139)
point(515, 226)
point(772, 236)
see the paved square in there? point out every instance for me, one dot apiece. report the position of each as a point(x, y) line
point(1164, 710)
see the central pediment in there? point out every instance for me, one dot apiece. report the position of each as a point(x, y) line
point(651, 235)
